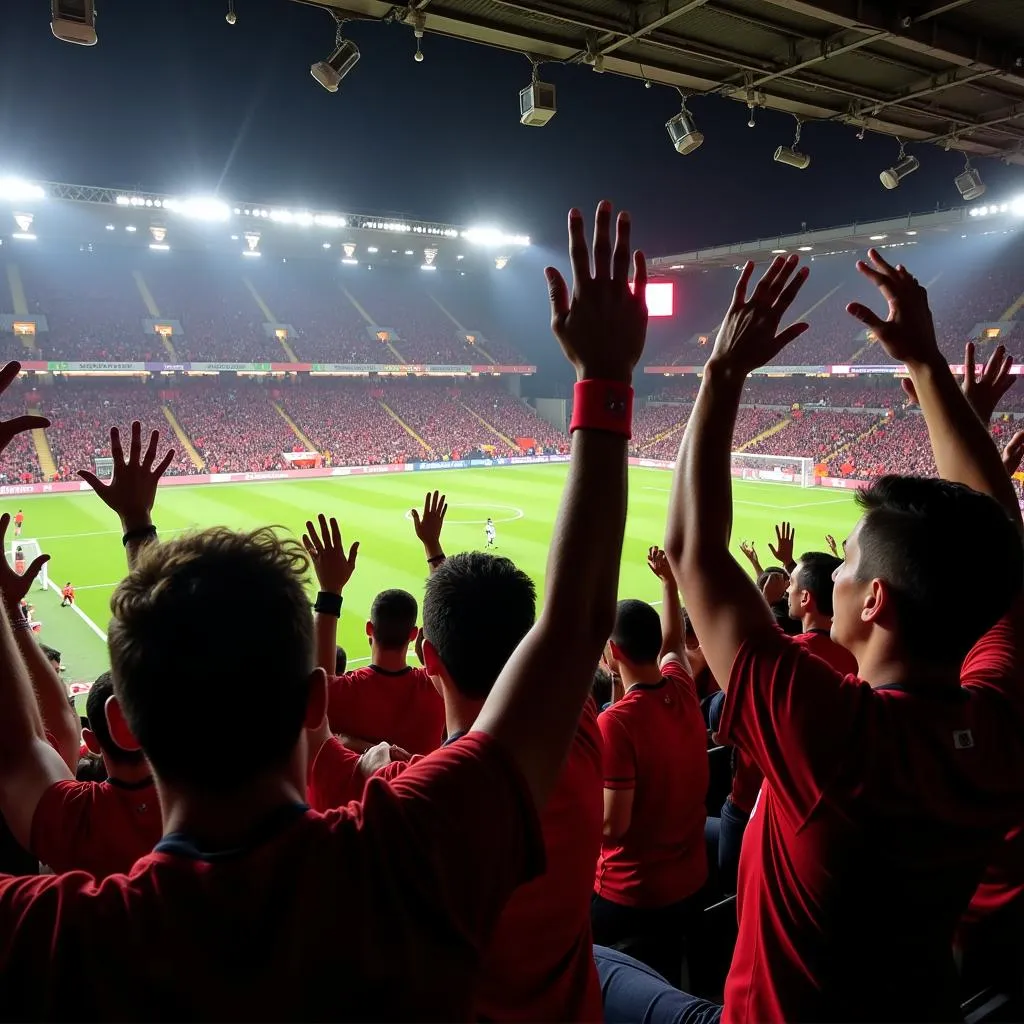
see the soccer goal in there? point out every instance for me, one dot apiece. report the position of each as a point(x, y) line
point(776, 469)
point(30, 550)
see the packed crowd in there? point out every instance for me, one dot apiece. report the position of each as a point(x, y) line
point(96, 306)
point(235, 427)
point(798, 799)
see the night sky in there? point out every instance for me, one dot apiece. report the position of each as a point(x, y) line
point(173, 99)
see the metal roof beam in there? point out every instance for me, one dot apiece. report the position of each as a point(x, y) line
point(608, 45)
point(928, 36)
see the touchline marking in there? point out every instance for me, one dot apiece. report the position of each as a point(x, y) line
point(98, 533)
point(783, 508)
point(518, 514)
point(78, 611)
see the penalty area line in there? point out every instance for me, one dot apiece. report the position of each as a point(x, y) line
point(78, 611)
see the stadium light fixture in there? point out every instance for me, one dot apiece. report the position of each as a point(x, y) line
point(682, 130)
point(251, 252)
point(1017, 206)
point(327, 245)
point(805, 248)
point(779, 252)
point(159, 247)
point(17, 190)
point(537, 102)
point(892, 176)
point(330, 72)
point(130, 228)
point(791, 155)
point(200, 208)
point(74, 21)
point(110, 227)
point(968, 183)
point(409, 252)
point(24, 236)
point(492, 238)
point(428, 266)
point(350, 262)
point(372, 248)
point(877, 238)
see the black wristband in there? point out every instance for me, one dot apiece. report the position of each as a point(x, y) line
point(328, 604)
point(142, 533)
point(436, 559)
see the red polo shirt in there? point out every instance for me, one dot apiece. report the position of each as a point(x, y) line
point(821, 644)
point(878, 812)
point(539, 964)
point(655, 743)
point(401, 707)
point(373, 912)
point(99, 827)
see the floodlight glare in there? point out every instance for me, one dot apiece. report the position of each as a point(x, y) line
point(493, 237)
point(200, 208)
point(892, 176)
point(1017, 206)
point(330, 72)
point(15, 190)
point(682, 130)
point(969, 184)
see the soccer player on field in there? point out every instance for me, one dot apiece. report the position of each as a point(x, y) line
point(202, 927)
point(491, 533)
point(19, 519)
point(19, 561)
point(883, 796)
point(67, 595)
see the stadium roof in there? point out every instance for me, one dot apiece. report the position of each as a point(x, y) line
point(948, 72)
point(912, 229)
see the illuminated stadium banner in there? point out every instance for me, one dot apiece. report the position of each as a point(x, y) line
point(35, 366)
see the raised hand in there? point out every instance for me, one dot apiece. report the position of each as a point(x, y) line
point(9, 429)
point(774, 587)
point(907, 333)
point(657, 560)
point(380, 755)
point(14, 587)
point(131, 490)
point(982, 392)
point(832, 546)
point(782, 549)
point(428, 526)
point(749, 336)
point(332, 566)
point(1013, 453)
point(601, 326)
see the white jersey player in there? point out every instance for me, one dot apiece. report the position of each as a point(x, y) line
point(491, 534)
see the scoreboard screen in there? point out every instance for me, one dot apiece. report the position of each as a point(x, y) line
point(660, 298)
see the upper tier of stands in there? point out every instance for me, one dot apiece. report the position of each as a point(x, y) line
point(96, 305)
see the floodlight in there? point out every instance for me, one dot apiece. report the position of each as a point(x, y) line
point(1017, 206)
point(537, 102)
point(330, 72)
point(428, 266)
point(682, 130)
point(892, 176)
point(969, 184)
point(493, 237)
point(159, 247)
point(74, 21)
point(791, 155)
point(200, 208)
point(15, 190)
point(24, 236)
point(251, 252)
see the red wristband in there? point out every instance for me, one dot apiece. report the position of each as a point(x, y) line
point(602, 405)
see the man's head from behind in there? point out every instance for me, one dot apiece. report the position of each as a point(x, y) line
point(225, 616)
point(476, 610)
point(97, 734)
point(392, 624)
point(636, 639)
point(897, 576)
point(810, 585)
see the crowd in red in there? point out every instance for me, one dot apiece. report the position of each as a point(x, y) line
point(799, 799)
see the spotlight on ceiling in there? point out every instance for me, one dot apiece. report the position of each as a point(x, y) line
point(330, 72)
point(791, 155)
point(969, 184)
point(892, 176)
point(537, 102)
point(74, 21)
point(682, 130)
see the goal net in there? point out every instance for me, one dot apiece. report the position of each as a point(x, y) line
point(776, 469)
point(25, 550)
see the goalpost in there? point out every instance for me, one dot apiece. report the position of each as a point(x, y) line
point(30, 550)
point(776, 469)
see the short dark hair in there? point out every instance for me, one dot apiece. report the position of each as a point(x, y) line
point(906, 521)
point(815, 570)
point(251, 587)
point(393, 615)
point(773, 570)
point(476, 610)
point(601, 687)
point(340, 660)
point(52, 654)
point(96, 716)
point(637, 631)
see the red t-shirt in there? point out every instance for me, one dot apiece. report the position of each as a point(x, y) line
point(19, 518)
point(877, 814)
point(539, 964)
point(372, 912)
point(819, 643)
point(99, 827)
point(400, 707)
point(655, 743)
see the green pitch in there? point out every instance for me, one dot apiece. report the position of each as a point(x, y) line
point(82, 537)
